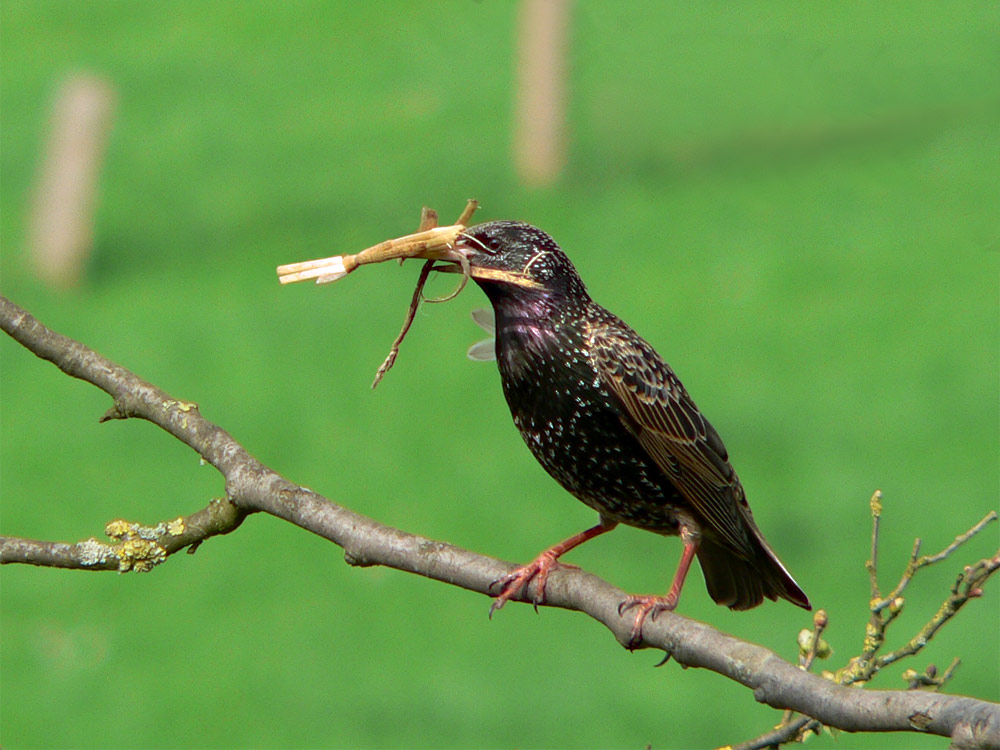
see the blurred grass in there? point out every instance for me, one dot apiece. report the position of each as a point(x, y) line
point(797, 207)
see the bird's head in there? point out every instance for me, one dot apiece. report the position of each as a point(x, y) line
point(508, 257)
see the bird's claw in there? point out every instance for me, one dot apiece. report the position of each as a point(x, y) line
point(513, 582)
point(537, 570)
point(650, 606)
point(664, 660)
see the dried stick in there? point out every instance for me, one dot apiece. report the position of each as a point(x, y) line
point(430, 242)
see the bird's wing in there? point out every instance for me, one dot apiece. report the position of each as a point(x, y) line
point(668, 425)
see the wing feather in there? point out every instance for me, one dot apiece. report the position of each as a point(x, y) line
point(673, 432)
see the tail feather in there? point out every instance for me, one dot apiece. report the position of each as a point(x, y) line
point(739, 583)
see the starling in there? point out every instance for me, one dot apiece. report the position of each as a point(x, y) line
point(611, 422)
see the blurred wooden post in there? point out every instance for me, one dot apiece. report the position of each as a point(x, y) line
point(540, 129)
point(61, 227)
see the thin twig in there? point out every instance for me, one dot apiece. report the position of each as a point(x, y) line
point(780, 735)
point(959, 541)
point(813, 642)
point(917, 562)
point(948, 673)
point(876, 510)
point(967, 586)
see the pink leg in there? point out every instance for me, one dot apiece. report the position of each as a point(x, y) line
point(539, 568)
point(653, 605)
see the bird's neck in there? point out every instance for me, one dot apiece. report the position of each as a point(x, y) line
point(534, 330)
point(536, 309)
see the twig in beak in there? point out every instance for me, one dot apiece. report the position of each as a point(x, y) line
point(466, 273)
point(411, 312)
point(470, 208)
point(431, 242)
point(428, 220)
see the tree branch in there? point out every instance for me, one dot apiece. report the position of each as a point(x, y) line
point(135, 547)
point(252, 487)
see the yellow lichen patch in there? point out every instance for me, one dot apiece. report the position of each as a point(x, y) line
point(180, 405)
point(118, 529)
point(872, 638)
point(122, 530)
point(137, 547)
point(139, 555)
point(876, 503)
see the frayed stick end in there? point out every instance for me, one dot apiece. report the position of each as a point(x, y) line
point(324, 270)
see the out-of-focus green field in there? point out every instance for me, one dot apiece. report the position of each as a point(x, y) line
point(797, 205)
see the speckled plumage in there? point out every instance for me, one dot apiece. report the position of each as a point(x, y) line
point(609, 420)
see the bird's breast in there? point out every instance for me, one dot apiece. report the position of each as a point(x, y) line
point(569, 420)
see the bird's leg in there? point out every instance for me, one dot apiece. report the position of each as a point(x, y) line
point(539, 568)
point(653, 605)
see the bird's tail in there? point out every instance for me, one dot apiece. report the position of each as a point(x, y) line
point(739, 583)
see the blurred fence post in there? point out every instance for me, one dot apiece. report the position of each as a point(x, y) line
point(61, 225)
point(542, 31)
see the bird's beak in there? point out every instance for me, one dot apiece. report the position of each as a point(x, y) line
point(465, 254)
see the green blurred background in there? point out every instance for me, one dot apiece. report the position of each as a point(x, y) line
point(797, 205)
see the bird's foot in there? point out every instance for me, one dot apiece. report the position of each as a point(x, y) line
point(537, 570)
point(644, 606)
